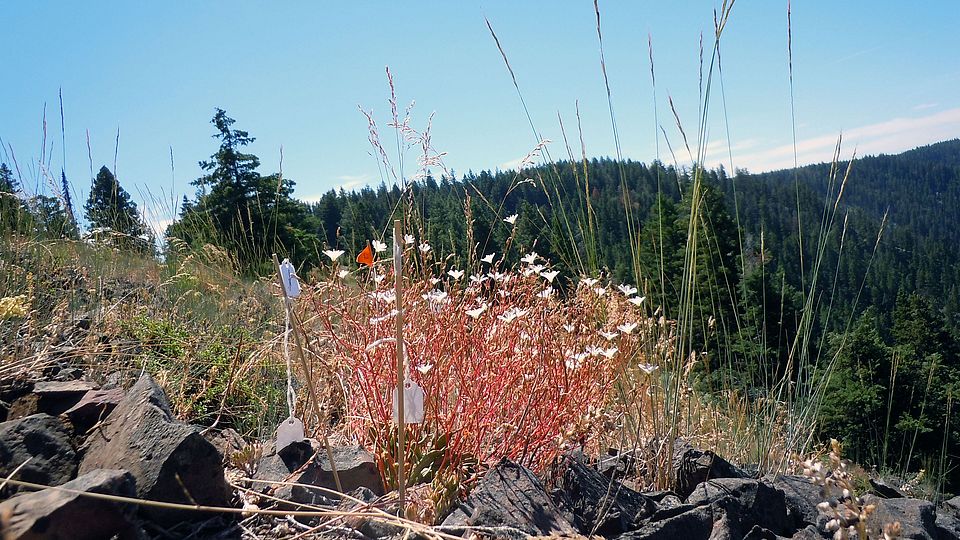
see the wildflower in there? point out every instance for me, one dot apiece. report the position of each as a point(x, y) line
point(590, 282)
point(334, 254)
point(425, 368)
point(425, 248)
point(608, 335)
point(377, 278)
point(549, 276)
point(434, 281)
point(489, 258)
point(647, 368)
point(627, 289)
point(387, 297)
point(511, 219)
point(497, 276)
point(388, 316)
point(627, 328)
point(379, 246)
point(343, 273)
point(546, 293)
point(576, 360)
point(529, 258)
point(435, 297)
point(600, 291)
point(474, 313)
point(478, 279)
point(14, 307)
point(511, 314)
point(609, 353)
point(408, 239)
point(637, 300)
point(455, 274)
point(569, 328)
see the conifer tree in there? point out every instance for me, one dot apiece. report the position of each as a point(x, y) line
point(113, 217)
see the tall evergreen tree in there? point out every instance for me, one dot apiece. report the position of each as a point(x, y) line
point(14, 217)
point(113, 216)
point(244, 212)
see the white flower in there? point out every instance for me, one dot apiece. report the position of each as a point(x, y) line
point(474, 313)
point(435, 297)
point(608, 335)
point(627, 328)
point(569, 328)
point(489, 258)
point(478, 279)
point(334, 254)
point(497, 276)
point(549, 276)
point(529, 258)
point(425, 248)
point(546, 293)
point(377, 278)
point(408, 239)
point(376, 320)
point(600, 291)
point(387, 297)
point(590, 282)
point(647, 368)
point(455, 274)
point(609, 353)
point(424, 369)
point(434, 281)
point(379, 246)
point(575, 361)
point(637, 300)
point(511, 314)
point(511, 219)
point(343, 273)
point(627, 289)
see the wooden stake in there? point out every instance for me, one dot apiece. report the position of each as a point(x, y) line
point(398, 289)
point(307, 375)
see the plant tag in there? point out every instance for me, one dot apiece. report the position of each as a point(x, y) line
point(412, 403)
point(288, 432)
point(290, 282)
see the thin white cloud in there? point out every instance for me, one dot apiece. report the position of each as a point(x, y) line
point(895, 135)
point(924, 106)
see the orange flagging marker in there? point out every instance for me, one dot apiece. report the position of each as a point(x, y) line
point(366, 256)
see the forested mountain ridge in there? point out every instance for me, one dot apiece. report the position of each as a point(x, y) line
point(911, 200)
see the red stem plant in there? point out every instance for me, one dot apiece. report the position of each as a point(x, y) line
point(509, 368)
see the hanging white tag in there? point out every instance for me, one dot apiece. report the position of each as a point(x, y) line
point(288, 432)
point(290, 281)
point(412, 403)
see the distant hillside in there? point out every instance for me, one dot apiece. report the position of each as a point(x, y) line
point(918, 191)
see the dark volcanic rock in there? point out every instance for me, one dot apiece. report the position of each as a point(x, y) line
point(694, 523)
point(45, 442)
point(693, 466)
point(356, 467)
point(93, 407)
point(801, 496)
point(745, 503)
point(917, 518)
point(599, 505)
point(882, 489)
point(56, 514)
point(169, 460)
point(510, 498)
point(301, 463)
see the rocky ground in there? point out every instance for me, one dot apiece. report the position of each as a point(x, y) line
point(109, 449)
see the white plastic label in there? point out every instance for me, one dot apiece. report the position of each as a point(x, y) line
point(290, 281)
point(412, 403)
point(288, 432)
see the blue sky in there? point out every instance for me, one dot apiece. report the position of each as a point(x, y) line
point(293, 74)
